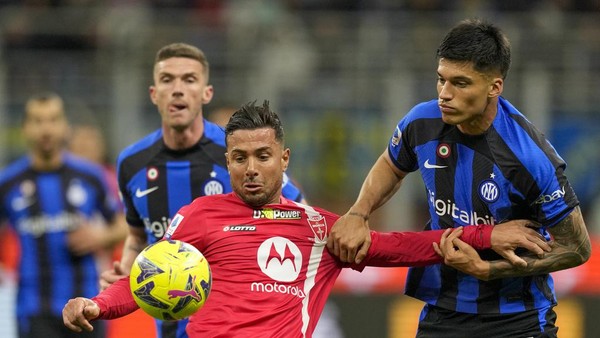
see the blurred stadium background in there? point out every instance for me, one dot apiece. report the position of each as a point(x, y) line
point(341, 74)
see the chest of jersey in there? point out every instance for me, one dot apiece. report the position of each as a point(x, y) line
point(167, 183)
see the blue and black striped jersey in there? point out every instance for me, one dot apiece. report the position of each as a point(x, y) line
point(155, 182)
point(509, 172)
point(43, 206)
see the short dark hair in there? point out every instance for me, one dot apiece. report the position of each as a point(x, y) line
point(480, 42)
point(250, 116)
point(182, 50)
point(41, 97)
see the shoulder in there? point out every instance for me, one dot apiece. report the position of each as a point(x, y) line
point(516, 130)
point(85, 169)
point(14, 169)
point(214, 132)
point(423, 110)
point(423, 116)
point(141, 145)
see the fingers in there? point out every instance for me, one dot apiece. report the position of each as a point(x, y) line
point(330, 244)
point(117, 267)
point(459, 244)
point(535, 243)
point(514, 259)
point(362, 253)
point(74, 315)
point(351, 255)
point(538, 242)
point(347, 239)
point(108, 277)
point(446, 246)
point(437, 249)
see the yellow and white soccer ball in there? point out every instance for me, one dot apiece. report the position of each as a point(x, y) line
point(170, 280)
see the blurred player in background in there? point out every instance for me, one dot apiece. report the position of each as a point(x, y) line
point(175, 164)
point(87, 141)
point(63, 212)
point(481, 161)
point(271, 277)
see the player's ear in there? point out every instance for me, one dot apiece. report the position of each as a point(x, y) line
point(285, 158)
point(496, 87)
point(207, 95)
point(152, 92)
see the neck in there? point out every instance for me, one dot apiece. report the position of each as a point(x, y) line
point(180, 139)
point(43, 162)
point(483, 122)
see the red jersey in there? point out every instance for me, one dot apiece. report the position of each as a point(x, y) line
point(271, 270)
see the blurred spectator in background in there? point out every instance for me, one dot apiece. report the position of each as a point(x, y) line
point(63, 212)
point(87, 141)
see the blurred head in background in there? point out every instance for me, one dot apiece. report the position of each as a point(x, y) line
point(45, 126)
point(88, 142)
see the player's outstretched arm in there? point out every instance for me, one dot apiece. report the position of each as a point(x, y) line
point(78, 312)
point(415, 248)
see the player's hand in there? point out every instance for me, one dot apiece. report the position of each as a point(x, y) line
point(508, 236)
point(350, 238)
point(461, 255)
point(108, 277)
point(78, 312)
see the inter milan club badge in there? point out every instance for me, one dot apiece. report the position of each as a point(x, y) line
point(213, 186)
point(489, 191)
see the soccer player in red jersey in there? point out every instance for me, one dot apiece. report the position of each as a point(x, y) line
point(271, 270)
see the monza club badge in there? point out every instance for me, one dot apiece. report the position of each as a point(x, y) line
point(318, 224)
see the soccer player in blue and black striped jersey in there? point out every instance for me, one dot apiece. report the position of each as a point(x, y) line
point(60, 206)
point(481, 161)
point(177, 163)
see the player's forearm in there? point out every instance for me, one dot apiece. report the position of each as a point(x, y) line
point(116, 301)
point(570, 247)
point(117, 231)
point(134, 244)
point(379, 186)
